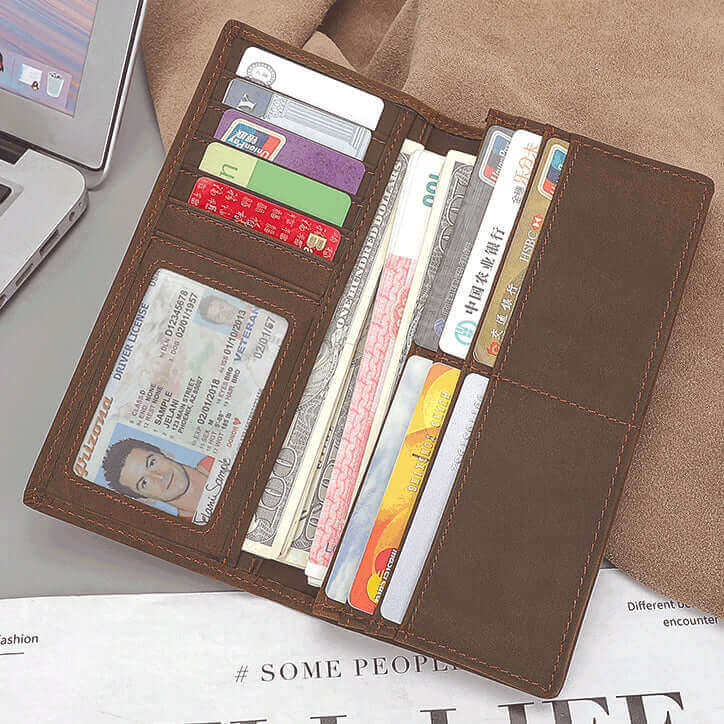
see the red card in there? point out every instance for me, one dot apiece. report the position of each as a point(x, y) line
point(266, 217)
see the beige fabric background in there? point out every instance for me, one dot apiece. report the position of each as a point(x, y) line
point(643, 76)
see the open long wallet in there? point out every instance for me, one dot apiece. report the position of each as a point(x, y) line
point(511, 568)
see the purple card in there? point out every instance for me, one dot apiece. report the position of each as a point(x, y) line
point(287, 149)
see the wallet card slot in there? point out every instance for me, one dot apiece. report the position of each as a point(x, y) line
point(385, 125)
point(275, 259)
point(225, 502)
point(607, 251)
point(522, 506)
point(186, 180)
point(345, 613)
point(544, 470)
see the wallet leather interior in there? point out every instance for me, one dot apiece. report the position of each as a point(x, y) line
point(510, 572)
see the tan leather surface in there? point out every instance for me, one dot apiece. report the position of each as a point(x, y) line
point(643, 76)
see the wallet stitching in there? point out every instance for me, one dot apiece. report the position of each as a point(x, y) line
point(141, 248)
point(123, 500)
point(406, 634)
point(335, 608)
point(562, 399)
point(182, 207)
point(313, 332)
point(278, 589)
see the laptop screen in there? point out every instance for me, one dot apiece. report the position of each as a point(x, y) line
point(43, 48)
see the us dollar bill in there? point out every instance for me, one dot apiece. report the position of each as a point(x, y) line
point(301, 541)
point(278, 508)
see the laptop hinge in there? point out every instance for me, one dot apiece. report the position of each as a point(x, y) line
point(11, 149)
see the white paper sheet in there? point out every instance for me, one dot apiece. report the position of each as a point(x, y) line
point(227, 657)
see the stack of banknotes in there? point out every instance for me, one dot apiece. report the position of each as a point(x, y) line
point(441, 267)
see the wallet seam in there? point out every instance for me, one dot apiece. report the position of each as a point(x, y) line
point(224, 571)
point(181, 207)
point(123, 500)
point(561, 399)
point(408, 633)
point(228, 574)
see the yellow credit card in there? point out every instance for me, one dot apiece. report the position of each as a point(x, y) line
point(520, 252)
point(402, 489)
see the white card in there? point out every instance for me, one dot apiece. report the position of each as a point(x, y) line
point(433, 499)
point(490, 243)
point(312, 87)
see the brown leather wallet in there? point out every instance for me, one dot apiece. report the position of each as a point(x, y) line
point(510, 572)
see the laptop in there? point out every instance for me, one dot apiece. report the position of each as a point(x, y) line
point(65, 68)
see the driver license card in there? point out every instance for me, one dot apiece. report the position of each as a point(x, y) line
point(180, 397)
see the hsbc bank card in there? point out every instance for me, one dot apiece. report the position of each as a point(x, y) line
point(180, 397)
point(310, 86)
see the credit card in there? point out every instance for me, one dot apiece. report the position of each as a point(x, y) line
point(375, 482)
point(405, 481)
point(520, 253)
point(457, 251)
point(291, 151)
point(286, 187)
point(433, 499)
point(408, 231)
point(169, 423)
point(293, 115)
point(322, 91)
point(490, 244)
point(265, 217)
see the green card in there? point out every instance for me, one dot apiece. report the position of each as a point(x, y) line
point(286, 187)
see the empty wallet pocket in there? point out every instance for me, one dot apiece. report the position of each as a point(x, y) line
point(186, 386)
